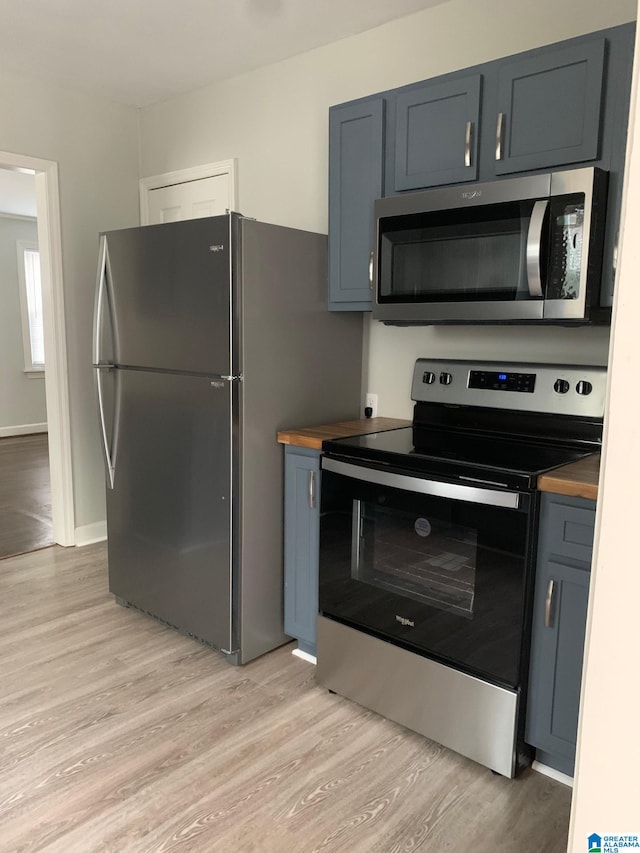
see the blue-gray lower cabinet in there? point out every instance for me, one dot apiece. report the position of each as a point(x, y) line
point(565, 547)
point(301, 531)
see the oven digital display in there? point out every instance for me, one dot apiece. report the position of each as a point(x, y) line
point(495, 380)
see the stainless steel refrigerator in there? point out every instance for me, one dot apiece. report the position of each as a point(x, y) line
point(210, 335)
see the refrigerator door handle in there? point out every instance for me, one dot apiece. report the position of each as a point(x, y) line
point(101, 287)
point(109, 458)
point(104, 294)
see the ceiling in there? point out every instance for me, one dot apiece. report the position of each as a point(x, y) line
point(17, 193)
point(141, 51)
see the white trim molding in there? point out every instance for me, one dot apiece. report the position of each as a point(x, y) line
point(90, 533)
point(552, 773)
point(56, 375)
point(22, 429)
point(18, 216)
point(181, 176)
point(304, 656)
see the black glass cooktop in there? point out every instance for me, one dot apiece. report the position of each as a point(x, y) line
point(508, 462)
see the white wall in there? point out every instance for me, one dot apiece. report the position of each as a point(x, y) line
point(275, 121)
point(95, 144)
point(607, 790)
point(22, 400)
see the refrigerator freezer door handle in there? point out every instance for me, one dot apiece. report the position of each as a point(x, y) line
point(111, 471)
point(100, 296)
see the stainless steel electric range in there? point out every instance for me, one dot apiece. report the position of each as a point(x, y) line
point(427, 549)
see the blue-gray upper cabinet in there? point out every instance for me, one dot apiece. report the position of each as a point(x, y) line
point(301, 544)
point(559, 620)
point(549, 107)
point(436, 133)
point(356, 154)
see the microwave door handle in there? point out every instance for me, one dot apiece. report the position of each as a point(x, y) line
point(534, 241)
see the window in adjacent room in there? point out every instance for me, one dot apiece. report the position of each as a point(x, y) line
point(31, 306)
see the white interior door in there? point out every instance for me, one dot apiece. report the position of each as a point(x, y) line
point(191, 200)
point(188, 194)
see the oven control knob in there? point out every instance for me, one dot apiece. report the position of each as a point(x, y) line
point(428, 377)
point(445, 378)
point(561, 386)
point(583, 387)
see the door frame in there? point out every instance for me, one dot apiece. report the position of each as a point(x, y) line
point(181, 176)
point(55, 341)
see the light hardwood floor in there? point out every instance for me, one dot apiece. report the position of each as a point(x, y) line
point(119, 734)
point(25, 494)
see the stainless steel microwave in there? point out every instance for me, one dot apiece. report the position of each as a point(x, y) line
point(523, 250)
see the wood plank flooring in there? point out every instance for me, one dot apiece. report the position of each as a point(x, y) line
point(119, 734)
point(25, 494)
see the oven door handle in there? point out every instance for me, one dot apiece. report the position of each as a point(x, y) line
point(453, 491)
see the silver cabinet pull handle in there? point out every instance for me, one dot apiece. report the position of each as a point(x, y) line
point(312, 490)
point(499, 133)
point(467, 143)
point(548, 603)
point(370, 270)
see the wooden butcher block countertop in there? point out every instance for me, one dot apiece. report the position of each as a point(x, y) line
point(314, 436)
point(577, 479)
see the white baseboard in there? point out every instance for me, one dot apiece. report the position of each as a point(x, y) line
point(22, 429)
point(304, 655)
point(90, 533)
point(552, 774)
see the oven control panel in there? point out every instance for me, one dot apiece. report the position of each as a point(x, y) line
point(577, 390)
point(502, 380)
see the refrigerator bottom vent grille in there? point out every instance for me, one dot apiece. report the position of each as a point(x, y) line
point(124, 603)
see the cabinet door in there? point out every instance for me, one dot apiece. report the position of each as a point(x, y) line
point(549, 108)
point(556, 664)
point(436, 134)
point(559, 620)
point(356, 133)
point(301, 531)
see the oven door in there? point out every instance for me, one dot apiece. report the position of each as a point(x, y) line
point(437, 567)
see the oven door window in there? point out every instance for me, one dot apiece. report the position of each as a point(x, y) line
point(447, 578)
point(428, 560)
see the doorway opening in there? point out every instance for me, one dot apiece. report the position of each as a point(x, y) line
point(57, 441)
point(25, 483)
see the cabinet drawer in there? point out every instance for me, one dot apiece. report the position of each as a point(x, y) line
point(570, 531)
